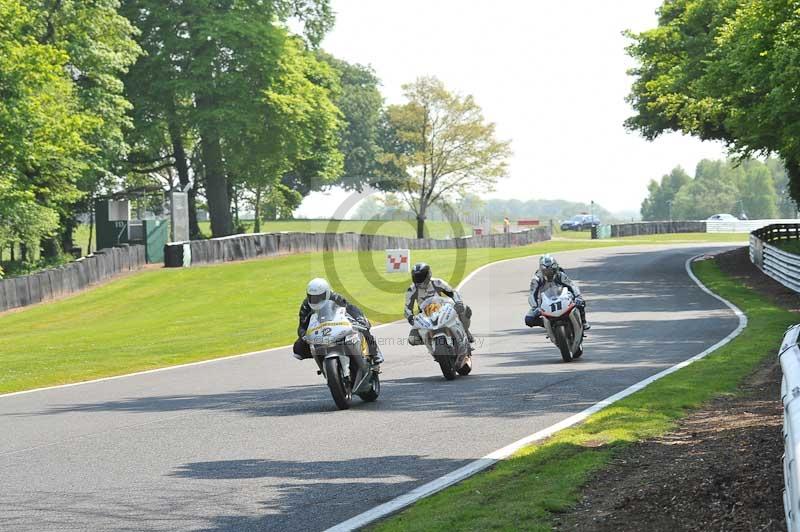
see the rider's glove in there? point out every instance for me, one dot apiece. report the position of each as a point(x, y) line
point(579, 301)
point(410, 320)
point(459, 307)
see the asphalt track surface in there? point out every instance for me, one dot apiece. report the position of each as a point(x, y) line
point(255, 443)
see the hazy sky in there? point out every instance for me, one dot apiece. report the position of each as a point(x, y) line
point(551, 75)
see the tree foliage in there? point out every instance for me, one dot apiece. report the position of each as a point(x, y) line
point(722, 70)
point(749, 187)
point(443, 146)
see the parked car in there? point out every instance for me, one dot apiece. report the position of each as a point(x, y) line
point(722, 218)
point(580, 222)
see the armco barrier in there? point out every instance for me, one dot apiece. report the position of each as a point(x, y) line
point(781, 265)
point(250, 246)
point(742, 226)
point(789, 355)
point(649, 228)
point(72, 277)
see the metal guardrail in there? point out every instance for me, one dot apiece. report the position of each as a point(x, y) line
point(781, 265)
point(742, 226)
point(790, 392)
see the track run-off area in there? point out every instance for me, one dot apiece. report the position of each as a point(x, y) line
point(256, 443)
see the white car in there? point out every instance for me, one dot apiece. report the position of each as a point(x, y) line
point(722, 218)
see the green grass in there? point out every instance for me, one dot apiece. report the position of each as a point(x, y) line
point(790, 246)
point(523, 492)
point(163, 317)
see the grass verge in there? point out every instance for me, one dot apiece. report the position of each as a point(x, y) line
point(523, 492)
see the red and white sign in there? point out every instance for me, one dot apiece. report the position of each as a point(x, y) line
point(397, 260)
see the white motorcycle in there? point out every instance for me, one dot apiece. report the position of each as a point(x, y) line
point(340, 350)
point(562, 321)
point(443, 334)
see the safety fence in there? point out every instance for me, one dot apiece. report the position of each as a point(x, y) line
point(743, 226)
point(250, 246)
point(789, 355)
point(72, 277)
point(646, 228)
point(765, 252)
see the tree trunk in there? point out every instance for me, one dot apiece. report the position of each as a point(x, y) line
point(219, 207)
point(257, 226)
point(793, 171)
point(182, 166)
point(23, 252)
point(420, 226)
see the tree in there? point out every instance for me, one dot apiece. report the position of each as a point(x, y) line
point(213, 59)
point(44, 130)
point(290, 128)
point(707, 194)
point(444, 146)
point(100, 47)
point(723, 70)
point(658, 204)
point(361, 104)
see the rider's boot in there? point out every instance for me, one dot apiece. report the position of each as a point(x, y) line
point(586, 325)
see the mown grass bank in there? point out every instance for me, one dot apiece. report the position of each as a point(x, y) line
point(524, 492)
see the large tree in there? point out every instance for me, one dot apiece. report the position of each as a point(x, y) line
point(442, 146)
point(361, 104)
point(724, 70)
point(214, 59)
point(45, 130)
point(100, 47)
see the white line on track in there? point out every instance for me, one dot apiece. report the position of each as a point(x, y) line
point(472, 468)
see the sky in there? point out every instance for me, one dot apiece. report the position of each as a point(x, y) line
point(550, 75)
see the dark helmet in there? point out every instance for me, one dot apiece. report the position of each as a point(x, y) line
point(421, 274)
point(548, 265)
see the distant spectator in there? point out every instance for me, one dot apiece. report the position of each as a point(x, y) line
point(506, 225)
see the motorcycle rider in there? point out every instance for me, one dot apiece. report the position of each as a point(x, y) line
point(422, 287)
point(550, 272)
point(317, 292)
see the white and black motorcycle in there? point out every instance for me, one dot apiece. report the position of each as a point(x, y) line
point(340, 350)
point(443, 334)
point(562, 320)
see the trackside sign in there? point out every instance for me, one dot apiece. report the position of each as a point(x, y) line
point(397, 260)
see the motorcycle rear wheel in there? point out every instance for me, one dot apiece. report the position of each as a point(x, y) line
point(341, 392)
point(562, 342)
point(466, 367)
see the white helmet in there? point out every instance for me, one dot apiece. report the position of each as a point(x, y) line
point(318, 291)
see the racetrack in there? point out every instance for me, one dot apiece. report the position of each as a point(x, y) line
point(255, 443)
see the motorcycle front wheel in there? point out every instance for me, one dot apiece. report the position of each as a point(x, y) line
point(447, 363)
point(340, 390)
point(374, 392)
point(562, 341)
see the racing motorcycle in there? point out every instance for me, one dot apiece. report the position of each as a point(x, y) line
point(341, 351)
point(443, 334)
point(562, 320)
